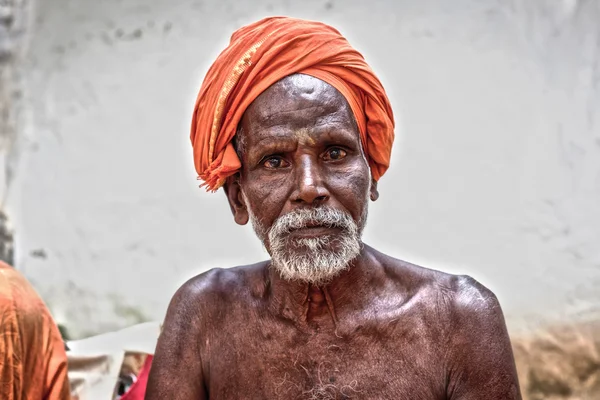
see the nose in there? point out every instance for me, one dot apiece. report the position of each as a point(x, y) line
point(310, 188)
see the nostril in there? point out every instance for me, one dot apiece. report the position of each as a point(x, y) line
point(310, 199)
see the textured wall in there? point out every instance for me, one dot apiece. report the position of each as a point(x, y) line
point(496, 170)
point(15, 18)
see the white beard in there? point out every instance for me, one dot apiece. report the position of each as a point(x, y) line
point(311, 260)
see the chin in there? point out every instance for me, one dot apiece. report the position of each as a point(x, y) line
point(314, 260)
point(309, 274)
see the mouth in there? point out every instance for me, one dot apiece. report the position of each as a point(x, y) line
point(314, 230)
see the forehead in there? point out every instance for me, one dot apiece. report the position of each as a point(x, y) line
point(297, 103)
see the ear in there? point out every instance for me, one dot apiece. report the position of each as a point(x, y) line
point(233, 191)
point(374, 192)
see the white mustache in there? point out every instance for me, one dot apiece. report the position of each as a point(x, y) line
point(307, 217)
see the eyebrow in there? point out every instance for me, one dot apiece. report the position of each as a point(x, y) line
point(269, 144)
point(268, 140)
point(341, 134)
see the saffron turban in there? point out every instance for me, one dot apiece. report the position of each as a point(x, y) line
point(263, 53)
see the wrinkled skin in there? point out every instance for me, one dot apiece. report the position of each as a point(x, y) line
point(382, 329)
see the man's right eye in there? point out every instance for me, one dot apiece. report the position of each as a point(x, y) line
point(275, 162)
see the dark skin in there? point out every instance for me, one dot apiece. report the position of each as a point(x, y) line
point(382, 329)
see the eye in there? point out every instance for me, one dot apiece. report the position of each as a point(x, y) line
point(334, 154)
point(275, 162)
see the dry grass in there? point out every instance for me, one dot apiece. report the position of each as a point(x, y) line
point(562, 363)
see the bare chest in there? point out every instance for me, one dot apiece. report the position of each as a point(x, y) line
point(274, 359)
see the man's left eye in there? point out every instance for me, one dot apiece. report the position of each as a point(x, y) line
point(335, 153)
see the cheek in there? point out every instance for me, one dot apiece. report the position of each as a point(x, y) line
point(350, 187)
point(267, 198)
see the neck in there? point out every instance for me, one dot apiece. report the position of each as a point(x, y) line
point(322, 306)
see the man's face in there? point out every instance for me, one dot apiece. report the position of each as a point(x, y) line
point(304, 181)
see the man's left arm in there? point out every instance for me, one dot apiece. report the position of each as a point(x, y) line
point(480, 360)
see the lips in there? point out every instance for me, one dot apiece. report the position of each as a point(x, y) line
point(314, 230)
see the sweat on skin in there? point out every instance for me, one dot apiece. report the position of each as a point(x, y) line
point(327, 316)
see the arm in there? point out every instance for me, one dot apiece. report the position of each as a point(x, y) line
point(176, 371)
point(480, 359)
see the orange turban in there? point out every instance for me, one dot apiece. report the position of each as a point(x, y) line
point(263, 53)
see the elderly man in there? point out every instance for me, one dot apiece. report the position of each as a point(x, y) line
point(295, 126)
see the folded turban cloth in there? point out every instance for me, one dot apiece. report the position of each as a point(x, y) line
point(263, 53)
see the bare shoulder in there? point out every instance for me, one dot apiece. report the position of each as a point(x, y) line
point(452, 296)
point(206, 293)
point(194, 312)
point(469, 325)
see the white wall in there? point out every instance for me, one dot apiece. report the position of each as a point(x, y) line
point(495, 173)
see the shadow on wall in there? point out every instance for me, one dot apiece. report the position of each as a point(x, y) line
point(6, 240)
point(560, 363)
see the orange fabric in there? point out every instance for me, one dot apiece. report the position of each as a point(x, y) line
point(261, 54)
point(33, 361)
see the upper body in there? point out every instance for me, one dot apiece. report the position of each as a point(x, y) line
point(389, 331)
point(34, 361)
point(327, 317)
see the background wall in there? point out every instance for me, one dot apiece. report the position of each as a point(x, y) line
point(495, 171)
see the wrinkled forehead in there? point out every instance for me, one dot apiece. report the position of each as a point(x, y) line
point(299, 101)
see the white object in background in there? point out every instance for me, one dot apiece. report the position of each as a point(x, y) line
point(95, 362)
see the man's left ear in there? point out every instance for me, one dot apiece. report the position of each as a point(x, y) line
point(236, 200)
point(374, 192)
